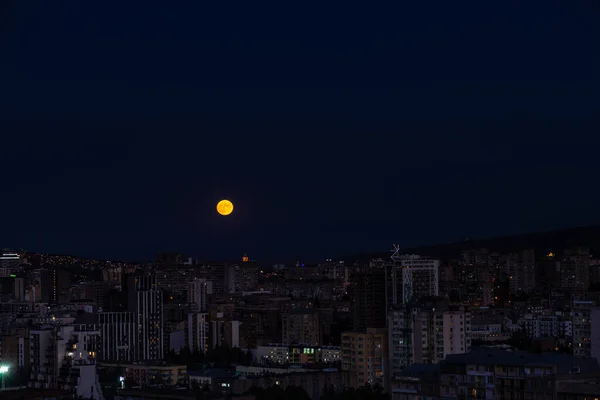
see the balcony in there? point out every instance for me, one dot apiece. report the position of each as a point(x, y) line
point(404, 391)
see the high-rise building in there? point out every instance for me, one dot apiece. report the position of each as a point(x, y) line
point(250, 275)
point(43, 279)
point(370, 300)
point(301, 327)
point(64, 357)
point(582, 327)
point(146, 303)
point(471, 279)
point(521, 271)
point(575, 269)
point(233, 278)
point(365, 357)
point(114, 274)
point(150, 325)
point(43, 357)
point(198, 292)
point(595, 333)
point(119, 336)
point(197, 338)
point(54, 283)
point(78, 369)
point(259, 324)
point(10, 260)
point(492, 373)
point(20, 289)
point(384, 285)
point(224, 331)
point(419, 276)
point(426, 331)
point(15, 349)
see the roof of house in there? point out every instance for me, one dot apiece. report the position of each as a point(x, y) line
point(494, 356)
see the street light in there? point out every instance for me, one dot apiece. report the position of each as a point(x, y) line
point(3, 371)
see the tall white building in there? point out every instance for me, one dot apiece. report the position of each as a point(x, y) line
point(198, 292)
point(119, 336)
point(224, 331)
point(427, 332)
point(145, 301)
point(64, 357)
point(80, 362)
point(197, 338)
point(456, 329)
point(10, 260)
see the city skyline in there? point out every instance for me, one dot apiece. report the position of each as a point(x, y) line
point(251, 201)
point(551, 241)
point(375, 325)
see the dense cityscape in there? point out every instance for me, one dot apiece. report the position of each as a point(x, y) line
point(217, 200)
point(485, 324)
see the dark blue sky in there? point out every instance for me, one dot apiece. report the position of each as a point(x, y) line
point(334, 129)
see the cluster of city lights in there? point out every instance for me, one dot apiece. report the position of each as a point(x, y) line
point(3, 371)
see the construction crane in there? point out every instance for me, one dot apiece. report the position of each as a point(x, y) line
point(406, 295)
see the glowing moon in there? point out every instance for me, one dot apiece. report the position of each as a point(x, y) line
point(224, 207)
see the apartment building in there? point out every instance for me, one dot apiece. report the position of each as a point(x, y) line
point(488, 373)
point(426, 331)
point(365, 357)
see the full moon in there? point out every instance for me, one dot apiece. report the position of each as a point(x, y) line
point(224, 207)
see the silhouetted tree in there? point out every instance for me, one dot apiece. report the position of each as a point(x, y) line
point(198, 356)
point(220, 355)
point(236, 355)
point(317, 302)
point(274, 392)
point(295, 393)
point(366, 392)
point(247, 359)
point(157, 380)
point(520, 340)
point(340, 325)
point(129, 383)
point(203, 393)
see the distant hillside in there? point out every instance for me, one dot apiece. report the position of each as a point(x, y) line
point(542, 242)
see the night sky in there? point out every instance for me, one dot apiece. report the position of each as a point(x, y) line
point(334, 129)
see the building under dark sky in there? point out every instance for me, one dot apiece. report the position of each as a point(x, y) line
point(334, 130)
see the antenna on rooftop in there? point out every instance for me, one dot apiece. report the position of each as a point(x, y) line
point(395, 253)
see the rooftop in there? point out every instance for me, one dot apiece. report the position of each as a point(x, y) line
point(495, 356)
point(213, 373)
point(578, 388)
point(420, 370)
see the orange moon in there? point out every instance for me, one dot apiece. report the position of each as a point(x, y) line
point(224, 207)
